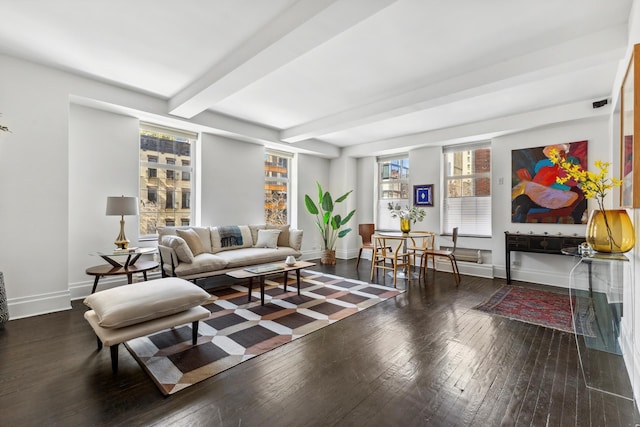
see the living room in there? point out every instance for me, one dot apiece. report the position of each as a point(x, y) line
point(77, 138)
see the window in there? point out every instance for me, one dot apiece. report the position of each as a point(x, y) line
point(170, 172)
point(169, 200)
point(467, 189)
point(185, 221)
point(167, 150)
point(152, 172)
point(277, 167)
point(186, 175)
point(393, 187)
point(186, 199)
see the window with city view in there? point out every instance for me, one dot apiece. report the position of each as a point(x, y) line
point(393, 187)
point(165, 178)
point(277, 169)
point(467, 192)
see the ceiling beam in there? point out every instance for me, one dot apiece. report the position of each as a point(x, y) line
point(588, 51)
point(304, 26)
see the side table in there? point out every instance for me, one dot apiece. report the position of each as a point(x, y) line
point(598, 287)
point(122, 266)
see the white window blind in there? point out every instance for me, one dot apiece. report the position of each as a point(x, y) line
point(467, 189)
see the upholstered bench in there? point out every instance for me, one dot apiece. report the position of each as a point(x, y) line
point(131, 311)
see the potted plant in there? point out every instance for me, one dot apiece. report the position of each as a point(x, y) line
point(329, 225)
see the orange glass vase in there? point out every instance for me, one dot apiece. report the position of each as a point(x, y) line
point(610, 230)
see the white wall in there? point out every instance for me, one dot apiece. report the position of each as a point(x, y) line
point(103, 161)
point(232, 184)
point(34, 206)
point(344, 178)
point(310, 170)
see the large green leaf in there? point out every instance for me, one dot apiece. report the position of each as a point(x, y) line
point(320, 193)
point(311, 207)
point(348, 217)
point(326, 217)
point(344, 232)
point(335, 222)
point(344, 196)
point(327, 202)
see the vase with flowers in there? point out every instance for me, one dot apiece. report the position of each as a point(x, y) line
point(608, 230)
point(406, 215)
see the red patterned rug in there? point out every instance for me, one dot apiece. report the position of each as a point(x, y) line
point(238, 330)
point(544, 308)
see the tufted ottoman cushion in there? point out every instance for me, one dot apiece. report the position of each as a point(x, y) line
point(131, 311)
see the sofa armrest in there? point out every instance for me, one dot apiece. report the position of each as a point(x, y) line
point(168, 260)
point(295, 239)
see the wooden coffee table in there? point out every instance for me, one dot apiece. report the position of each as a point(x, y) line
point(264, 270)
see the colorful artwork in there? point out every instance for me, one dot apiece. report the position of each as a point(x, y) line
point(535, 194)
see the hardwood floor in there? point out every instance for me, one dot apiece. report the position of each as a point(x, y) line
point(423, 358)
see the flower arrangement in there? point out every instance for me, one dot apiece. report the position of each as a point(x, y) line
point(594, 185)
point(413, 214)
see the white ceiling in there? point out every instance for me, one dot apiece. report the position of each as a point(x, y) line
point(341, 72)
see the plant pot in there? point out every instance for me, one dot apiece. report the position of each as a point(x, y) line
point(610, 231)
point(405, 225)
point(328, 257)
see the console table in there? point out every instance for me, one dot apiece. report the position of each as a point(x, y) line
point(537, 243)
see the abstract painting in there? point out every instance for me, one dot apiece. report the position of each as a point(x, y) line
point(536, 197)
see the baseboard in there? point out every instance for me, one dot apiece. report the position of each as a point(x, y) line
point(35, 305)
point(466, 268)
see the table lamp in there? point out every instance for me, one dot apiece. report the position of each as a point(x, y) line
point(122, 206)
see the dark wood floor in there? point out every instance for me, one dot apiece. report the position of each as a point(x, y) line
point(423, 358)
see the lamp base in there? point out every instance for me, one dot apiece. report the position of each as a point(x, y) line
point(122, 244)
point(121, 241)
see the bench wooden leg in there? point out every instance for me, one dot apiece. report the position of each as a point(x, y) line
point(114, 358)
point(194, 332)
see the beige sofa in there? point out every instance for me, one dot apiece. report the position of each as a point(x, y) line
point(196, 252)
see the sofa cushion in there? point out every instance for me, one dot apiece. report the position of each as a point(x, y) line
point(203, 232)
point(295, 239)
point(267, 239)
point(283, 238)
point(202, 263)
point(254, 231)
point(230, 237)
point(140, 302)
point(178, 244)
point(192, 239)
point(252, 256)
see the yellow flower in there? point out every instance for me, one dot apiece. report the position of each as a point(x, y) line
point(593, 185)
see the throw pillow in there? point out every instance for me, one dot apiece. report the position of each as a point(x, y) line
point(267, 239)
point(192, 239)
point(283, 238)
point(180, 247)
point(131, 304)
point(254, 231)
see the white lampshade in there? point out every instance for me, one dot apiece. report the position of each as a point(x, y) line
point(121, 205)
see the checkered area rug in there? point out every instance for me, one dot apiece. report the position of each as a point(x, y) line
point(238, 330)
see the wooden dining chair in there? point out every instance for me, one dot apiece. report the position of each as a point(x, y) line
point(420, 241)
point(389, 254)
point(446, 253)
point(365, 231)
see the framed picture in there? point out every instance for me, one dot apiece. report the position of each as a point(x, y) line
point(629, 162)
point(536, 197)
point(423, 195)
